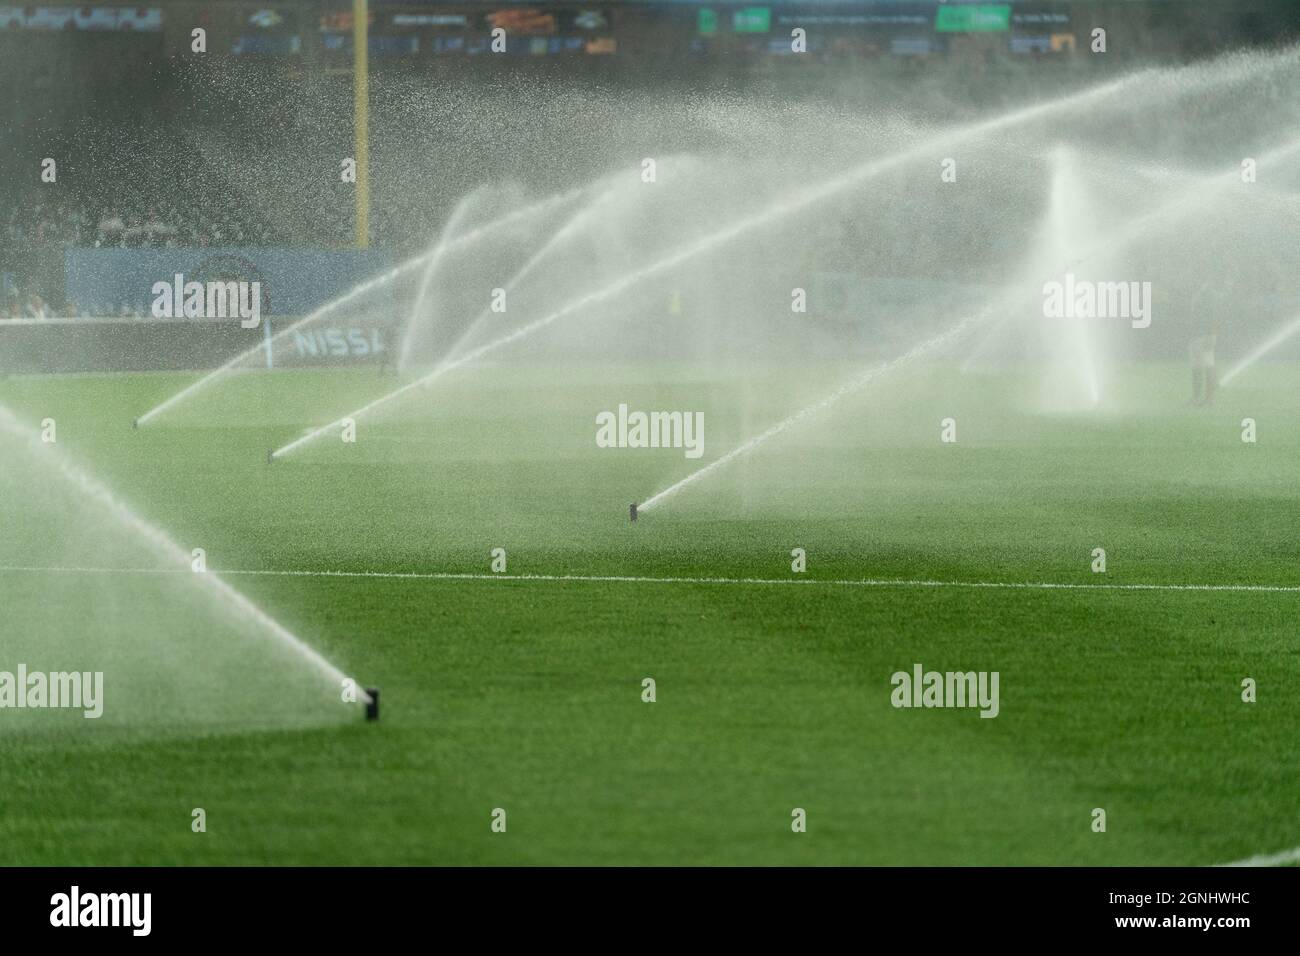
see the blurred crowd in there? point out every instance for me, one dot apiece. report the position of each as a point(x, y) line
point(17, 303)
point(22, 301)
point(36, 232)
point(49, 222)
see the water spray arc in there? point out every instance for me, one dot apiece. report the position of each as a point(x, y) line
point(1287, 330)
point(91, 489)
point(1001, 308)
point(469, 239)
point(1193, 189)
point(432, 260)
point(566, 232)
point(854, 385)
point(800, 201)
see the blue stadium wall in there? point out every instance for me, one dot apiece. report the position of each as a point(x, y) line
point(294, 281)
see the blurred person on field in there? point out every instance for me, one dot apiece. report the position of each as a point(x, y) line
point(1205, 375)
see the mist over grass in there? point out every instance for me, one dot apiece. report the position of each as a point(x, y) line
point(91, 587)
point(526, 694)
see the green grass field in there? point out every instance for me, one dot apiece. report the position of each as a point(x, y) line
point(526, 694)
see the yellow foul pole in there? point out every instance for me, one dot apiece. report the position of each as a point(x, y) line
point(361, 115)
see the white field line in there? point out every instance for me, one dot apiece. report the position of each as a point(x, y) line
point(1273, 859)
point(654, 579)
point(157, 540)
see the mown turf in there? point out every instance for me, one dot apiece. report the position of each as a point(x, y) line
point(526, 695)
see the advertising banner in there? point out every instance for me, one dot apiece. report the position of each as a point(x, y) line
point(292, 281)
